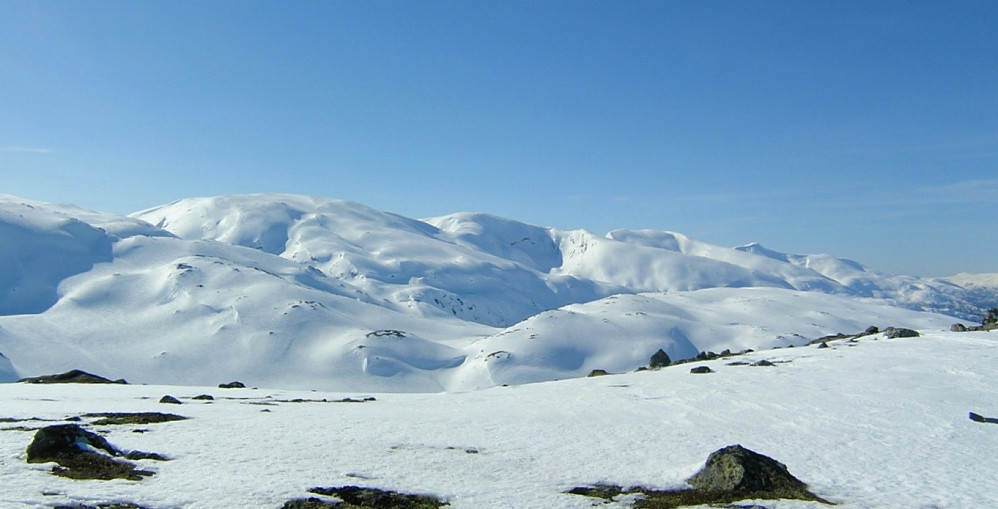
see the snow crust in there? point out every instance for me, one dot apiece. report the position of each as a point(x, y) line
point(875, 423)
point(298, 292)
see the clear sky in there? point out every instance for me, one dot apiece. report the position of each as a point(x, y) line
point(867, 130)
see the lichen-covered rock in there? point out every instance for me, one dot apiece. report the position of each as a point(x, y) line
point(899, 332)
point(738, 470)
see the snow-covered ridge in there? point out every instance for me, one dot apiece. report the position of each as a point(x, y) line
point(290, 291)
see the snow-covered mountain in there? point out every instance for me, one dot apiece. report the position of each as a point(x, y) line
point(301, 292)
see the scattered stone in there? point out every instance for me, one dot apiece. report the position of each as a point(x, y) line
point(232, 385)
point(763, 362)
point(604, 491)
point(75, 376)
point(352, 400)
point(204, 397)
point(598, 372)
point(116, 418)
point(706, 356)
point(869, 331)
point(893, 333)
point(958, 327)
point(355, 496)
point(659, 359)
point(823, 344)
point(699, 370)
point(139, 455)
point(76, 451)
point(170, 400)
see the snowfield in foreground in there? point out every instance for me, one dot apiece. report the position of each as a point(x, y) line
point(872, 423)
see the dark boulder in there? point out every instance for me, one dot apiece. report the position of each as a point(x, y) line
point(232, 385)
point(898, 332)
point(75, 376)
point(659, 359)
point(170, 400)
point(598, 372)
point(204, 397)
point(51, 442)
point(748, 474)
point(699, 370)
point(76, 451)
point(763, 362)
point(958, 327)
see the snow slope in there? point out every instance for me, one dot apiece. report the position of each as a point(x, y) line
point(875, 423)
point(301, 292)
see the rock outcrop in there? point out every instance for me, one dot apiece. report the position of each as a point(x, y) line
point(75, 376)
point(77, 451)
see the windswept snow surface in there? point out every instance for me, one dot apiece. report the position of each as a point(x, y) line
point(872, 423)
point(310, 293)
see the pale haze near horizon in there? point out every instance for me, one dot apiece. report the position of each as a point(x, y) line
point(867, 131)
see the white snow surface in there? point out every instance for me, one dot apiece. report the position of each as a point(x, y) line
point(870, 423)
point(301, 292)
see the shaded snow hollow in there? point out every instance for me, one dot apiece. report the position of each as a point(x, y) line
point(289, 291)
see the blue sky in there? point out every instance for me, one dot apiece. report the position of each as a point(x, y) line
point(868, 130)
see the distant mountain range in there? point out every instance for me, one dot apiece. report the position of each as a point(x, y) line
point(305, 292)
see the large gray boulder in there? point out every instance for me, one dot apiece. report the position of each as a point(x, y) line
point(737, 470)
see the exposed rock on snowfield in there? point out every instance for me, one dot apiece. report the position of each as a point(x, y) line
point(118, 418)
point(748, 474)
point(75, 376)
point(659, 359)
point(731, 474)
point(900, 332)
point(76, 450)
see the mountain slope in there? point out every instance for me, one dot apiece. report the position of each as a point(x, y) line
point(294, 291)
